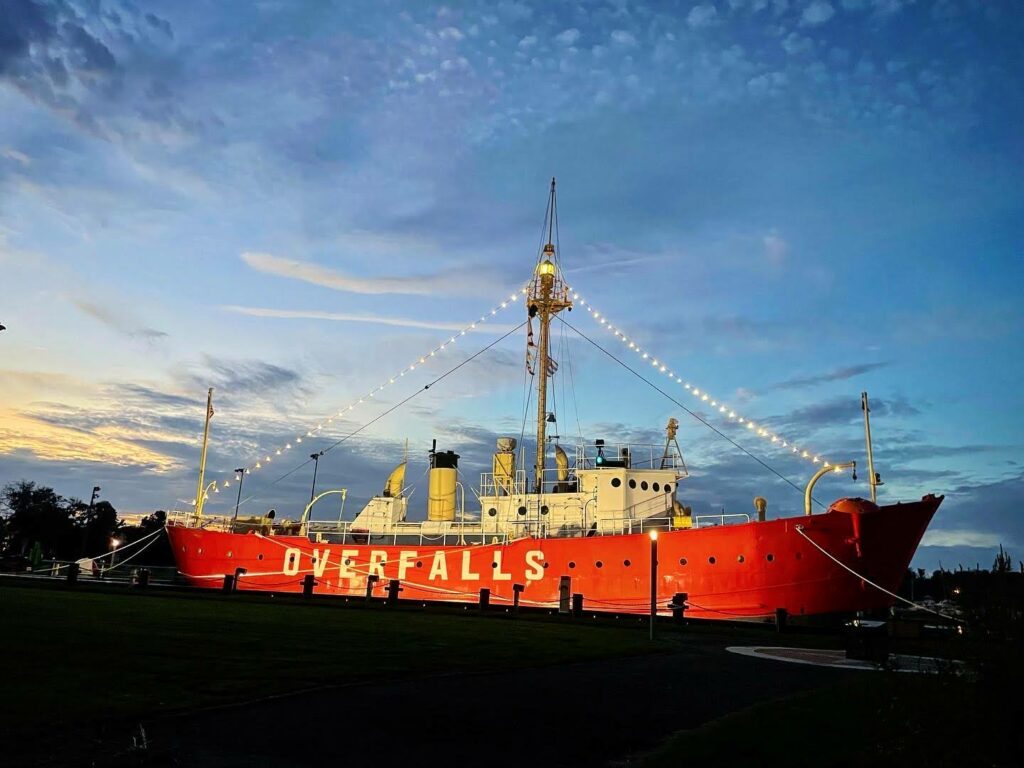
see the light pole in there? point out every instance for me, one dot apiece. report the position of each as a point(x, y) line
point(654, 579)
point(316, 465)
point(88, 516)
point(241, 476)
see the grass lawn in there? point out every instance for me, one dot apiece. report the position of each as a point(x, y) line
point(78, 656)
point(867, 719)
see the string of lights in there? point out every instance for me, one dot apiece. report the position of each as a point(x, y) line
point(702, 395)
point(314, 431)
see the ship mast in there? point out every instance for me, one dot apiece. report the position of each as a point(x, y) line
point(547, 296)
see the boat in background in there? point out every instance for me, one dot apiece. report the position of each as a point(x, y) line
point(607, 524)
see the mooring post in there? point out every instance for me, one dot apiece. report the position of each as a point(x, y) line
point(307, 585)
point(229, 584)
point(577, 605)
point(239, 572)
point(72, 577)
point(394, 587)
point(781, 615)
point(679, 607)
point(142, 578)
point(517, 589)
point(485, 598)
point(371, 582)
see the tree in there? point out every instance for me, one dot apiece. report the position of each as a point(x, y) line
point(1003, 562)
point(37, 514)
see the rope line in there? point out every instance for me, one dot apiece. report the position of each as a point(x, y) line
point(800, 529)
point(393, 408)
point(696, 416)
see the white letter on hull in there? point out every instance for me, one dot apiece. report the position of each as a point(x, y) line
point(500, 575)
point(468, 575)
point(343, 570)
point(291, 561)
point(439, 567)
point(377, 558)
point(534, 565)
point(405, 559)
point(320, 562)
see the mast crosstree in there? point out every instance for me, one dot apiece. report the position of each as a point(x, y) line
point(546, 296)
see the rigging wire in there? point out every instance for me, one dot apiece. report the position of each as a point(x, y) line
point(395, 407)
point(696, 416)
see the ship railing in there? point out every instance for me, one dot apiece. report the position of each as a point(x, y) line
point(635, 455)
point(490, 485)
point(454, 534)
point(707, 521)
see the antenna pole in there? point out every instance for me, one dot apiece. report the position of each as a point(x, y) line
point(200, 488)
point(873, 480)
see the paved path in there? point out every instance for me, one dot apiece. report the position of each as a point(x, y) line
point(587, 714)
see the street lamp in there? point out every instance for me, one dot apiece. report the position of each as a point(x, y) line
point(654, 578)
point(316, 465)
point(241, 476)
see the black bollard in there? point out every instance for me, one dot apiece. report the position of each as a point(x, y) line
point(142, 578)
point(371, 582)
point(781, 615)
point(229, 584)
point(394, 587)
point(307, 585)
point(517, 589)
point(72, 577)
point(679, 607)
point(485, 598)
point(577, 605)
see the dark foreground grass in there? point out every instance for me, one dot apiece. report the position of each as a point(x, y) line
point(76, 657)
point(867, 719)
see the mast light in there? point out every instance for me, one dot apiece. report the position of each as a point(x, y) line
point(546, 267)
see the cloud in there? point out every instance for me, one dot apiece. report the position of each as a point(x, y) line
point(346, 317)
point(946, 538)
point(817, 13)
point(837, 374)
point(248, 376)
point(701, 16)
point(118, 322)
point(13, 154)
point(568, 37)
point(461, 281)
point(623, 37)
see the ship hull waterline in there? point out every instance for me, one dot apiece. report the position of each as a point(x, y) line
point(730, 572)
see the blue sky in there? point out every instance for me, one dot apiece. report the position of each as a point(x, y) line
point(787, 202)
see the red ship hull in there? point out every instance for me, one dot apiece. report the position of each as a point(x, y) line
point(744, 571)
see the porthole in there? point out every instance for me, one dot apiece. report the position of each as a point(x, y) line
point(572, 564)
point(616, 482)
point(348, 561)
point(494, 565)
point(291, 558)
point(643, 486)
point(632, 483)
point(682, 561)
point(739, 559)
point(546, 564)
point(419, 563)
point(711, 560)
point(231, 554)
point(769, 557)
point(199, 551)
point(259, 556)
point(626, 563)
point(544, 510)
point(798, 555)
point(522, 510)
point(184, 548)
point(492, 512)
point(599, 564)
point(656, 487)
point(668, 488)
